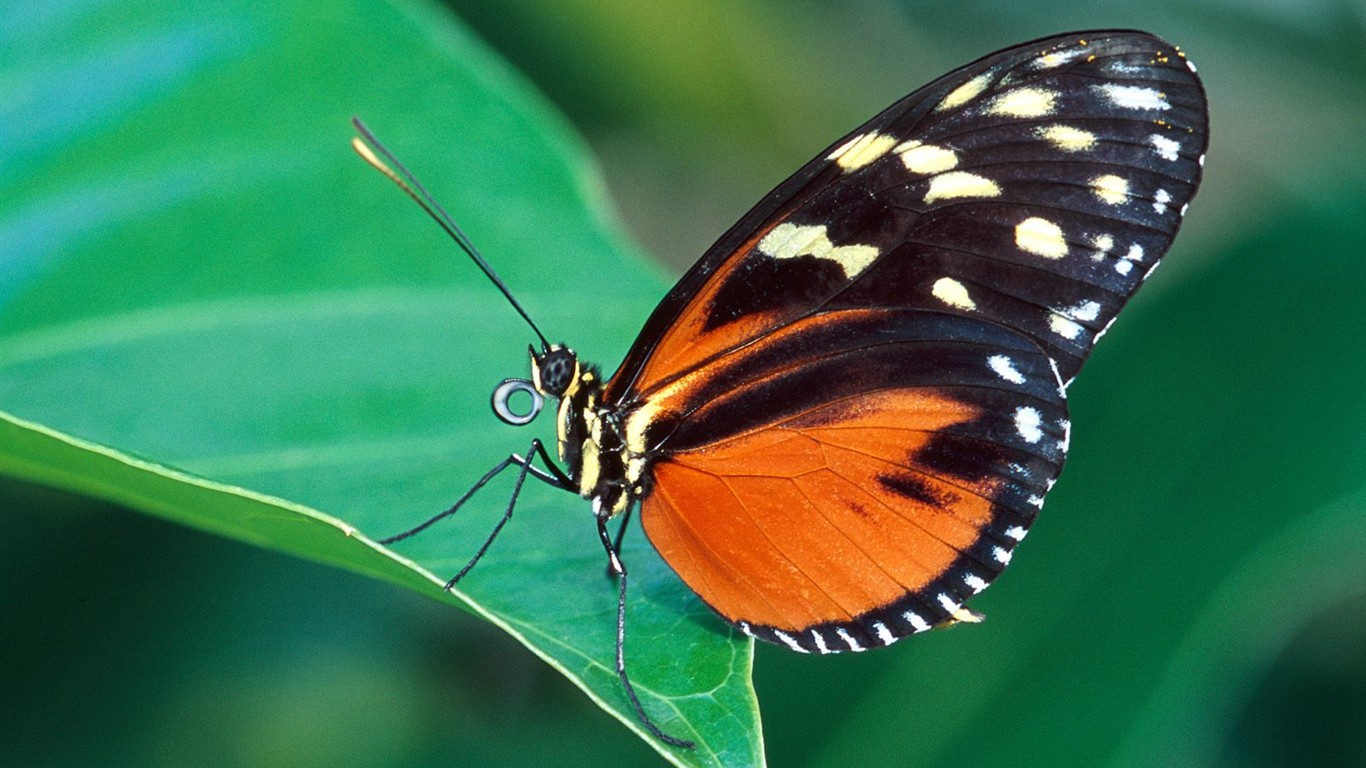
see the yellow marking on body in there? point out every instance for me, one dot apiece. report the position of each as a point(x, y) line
point(636, 424)
point(1067, 138)
point(1024, 102)
point(1111, 188)
point(1041, 236)
point(561, 426)
point(953, 293)
point(965, 92)
point(862, 150)
point(590, 468)
point(788, 241)
point(635, 469)
point(926, 158)
point(955, 184)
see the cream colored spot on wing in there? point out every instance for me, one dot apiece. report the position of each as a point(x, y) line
point(862, 150)
point(1063, 326)
point(953, 293)
point(788, 241)
point(1024, 102)
point(926, 158)
point(1133, 96)
point(955, 184)
point(1110, 188)
point(1057, 58)
point(1104, 244)
point(1042, 237)
point(965, 92)
point(1067, 138)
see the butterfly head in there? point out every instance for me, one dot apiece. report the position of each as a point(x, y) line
point(555, 371)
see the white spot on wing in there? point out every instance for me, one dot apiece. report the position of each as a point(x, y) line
point(1016, 532)
point(1001, 554)
point(949, 605)
point(790, 641)
point(1133, 96)
point(1005, 368)
point(820, 642)
point(1124, 266)
point(1135, 253)
point(1086, 310)
point(917, 623)
point(974, 582)
point(955, 184)
point(1042, 237)
point(848, 639)
point(1024, 102)
point(788, 241)
point(884, 635)
point(926, 158)
point(1029, 423)
point(953, 293)
point(1160, 200)
point(1167, 149)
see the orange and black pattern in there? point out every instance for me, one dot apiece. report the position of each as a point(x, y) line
point(844, 418)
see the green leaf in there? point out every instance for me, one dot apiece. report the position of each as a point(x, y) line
point(196, 270)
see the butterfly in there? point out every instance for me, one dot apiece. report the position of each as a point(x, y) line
point(843, 419)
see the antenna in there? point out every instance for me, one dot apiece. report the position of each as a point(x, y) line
point(371, 150)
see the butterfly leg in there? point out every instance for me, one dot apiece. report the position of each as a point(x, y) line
point(617, 567)
point(621, 534)
point(553, 477)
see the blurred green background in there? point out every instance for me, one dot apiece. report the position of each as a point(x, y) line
point(1194, 594)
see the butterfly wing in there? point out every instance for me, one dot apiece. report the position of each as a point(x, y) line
point(852, 406)
point(864, 493)
point(1035, 188)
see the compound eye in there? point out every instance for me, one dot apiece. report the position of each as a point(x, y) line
point(557, 369)
point(502, 406)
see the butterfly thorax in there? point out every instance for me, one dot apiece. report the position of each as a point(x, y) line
point(589, 434)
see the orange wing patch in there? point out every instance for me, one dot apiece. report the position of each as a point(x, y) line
point(688, 342)
point(821, 518)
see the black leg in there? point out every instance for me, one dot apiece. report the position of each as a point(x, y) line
point(615, 565)
point(554, 478)
point(621, 534)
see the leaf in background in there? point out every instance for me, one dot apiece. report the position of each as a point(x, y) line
point(195, 269)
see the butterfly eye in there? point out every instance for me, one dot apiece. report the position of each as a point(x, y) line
point(502, 401)
point(555, 371)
